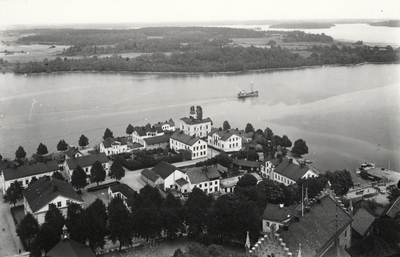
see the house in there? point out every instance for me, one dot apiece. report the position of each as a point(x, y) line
point(277, 215)
point(26, 172)
point(72, 152)
point(45, 191)
point(112, 146)
point(228, 184)
point(195, 145)
point(362, 224)
point(323, 230)
point(246, 165)
point(123, 191)
point(195, 125)
point(86, 163)
point(287, 172)
point(268, 166)
point(204, 178)
point(69, 248)
point(392, 210)
point(229, 140)
point(140, 133)
point(166, 126)
point(163, 174)
point(157, 142)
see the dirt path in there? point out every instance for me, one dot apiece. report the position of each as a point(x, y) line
point(7, 244)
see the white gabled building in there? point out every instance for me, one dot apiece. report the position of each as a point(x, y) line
point(195, 124)
point(225, 140)
point(45, 191)
point(165, 126)
point(140, 133)
point(180, 141)
point(204, 178)
point(85, 162)
point(112, 146)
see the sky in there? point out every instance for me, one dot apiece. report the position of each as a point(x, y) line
point(39, 12)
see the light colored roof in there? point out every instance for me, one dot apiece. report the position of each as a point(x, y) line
point(183, 138)
point(160, 124)
point(362, 221)
point(195, 121)
point(30, 170)
point(86, 160)
point(45, 189)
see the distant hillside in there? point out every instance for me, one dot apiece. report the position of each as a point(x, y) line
point(392, 23)
point(307, 25)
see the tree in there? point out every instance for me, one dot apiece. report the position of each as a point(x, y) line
point(62, 145)
point(20, 153)
point(286, 141)
point(226, 125)
point(341, 181)
point(120, 224)
point(116, 170)
point(97, 173)
point(42, 149)
point(247, 180)
point(147, 220)
point(74, 214)
point(249, 128)
point(130, 129)
point(101, 209)
point(45, 239)
point(196, 208)
point(58, 175)
point(247, 219)
point(199, 112)
point(108, 133)
point(171, 215)
point(269, 135)
point(92, 228)
point(78, 178)
point(1, 157)
point(83, 141)
point(300, 147)
point(13, 192)
point(28, 228)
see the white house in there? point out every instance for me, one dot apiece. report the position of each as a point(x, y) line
point(287, 172)
point(141, 133)
point(86, 163)
point(157, 142)
point(40, 194)
point(26, 172)
point(112, 146)
point(226, 140)
point(72, 152)
point(151, 178)
point(168, 174)
point(268, 166)
point(166, 126)
point(179, 141)
point(204, 178)
point(122, 191)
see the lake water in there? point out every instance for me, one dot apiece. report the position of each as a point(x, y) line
point(347, 115)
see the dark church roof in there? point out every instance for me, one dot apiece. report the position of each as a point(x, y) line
point(70, 248)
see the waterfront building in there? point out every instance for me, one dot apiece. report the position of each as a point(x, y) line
point(86, 163)
point(195, 125)
point(157, 142)
point(166, 126)
point(47, 190)
point(72, 152)
point(229, 140)
point(181, 141)
point(112, 146)
point(26, 172)
point(140, 133)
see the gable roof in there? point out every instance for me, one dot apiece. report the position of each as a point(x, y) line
point(190, 121)
point(110, 141)
point(221, 168)
point(362, 221)
point(274, 212)
point(72, 151)
point(226, 134)
point(393, 209)
point(150, 175)
point(144, 129)
point(317, 229)
point(290, 170)
point(87, 160)
point(160, 124)
point(157, 139)
point(181, 182)
point(70, 248)
point(197, 176)
point(183, 138)
point(30, 170)
point(124, 189)
point(45, 189)
point(164, 169)
point(274, 161)
point(246, 163)
point(212, 173)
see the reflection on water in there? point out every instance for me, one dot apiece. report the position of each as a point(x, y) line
point(342, 113)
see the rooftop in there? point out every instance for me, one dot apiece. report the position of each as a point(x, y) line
point(143, 130)
point(393, 209)
point(87, 160)
point(124, 189)
point(226, 134)
point(362, 221)
point(27, 170)
point(183, 138)
point(279, 213)
point(110, 141)
point(192, 121)
point(247, 163)
point(290, 170)
point(150, 175)
point(157, 139)
point(164, 169)
point(70, 248)
point(45, 189)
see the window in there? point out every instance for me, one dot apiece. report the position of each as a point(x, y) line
point(58, 204)
point(200, 185)
point(26, 181)
point(216, 189)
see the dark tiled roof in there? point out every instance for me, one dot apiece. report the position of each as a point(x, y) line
point(316, 229)
point(164, 169)
point(44, 190)
point(183, 138)
point(86, 160)
point(30, 170)
point(150, 175)
point(226, 134)
point(393, 209)
point(197, 176)
point(72, 151)
point(157, 139)
point(109, 141)
point(362, 221)
point(274, 212)
point(70, 248)
point(212, 173)
point(246, 163)
point(195, 121)
point(124, 189)
point(275, 161)
point(221, 168)
point(290, 170)
point(181, 182)
point(143, 130)
point(160, 124)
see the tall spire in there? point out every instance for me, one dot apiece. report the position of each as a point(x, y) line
point(247, 245)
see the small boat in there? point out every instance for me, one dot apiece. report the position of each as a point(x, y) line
point(252, 93)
